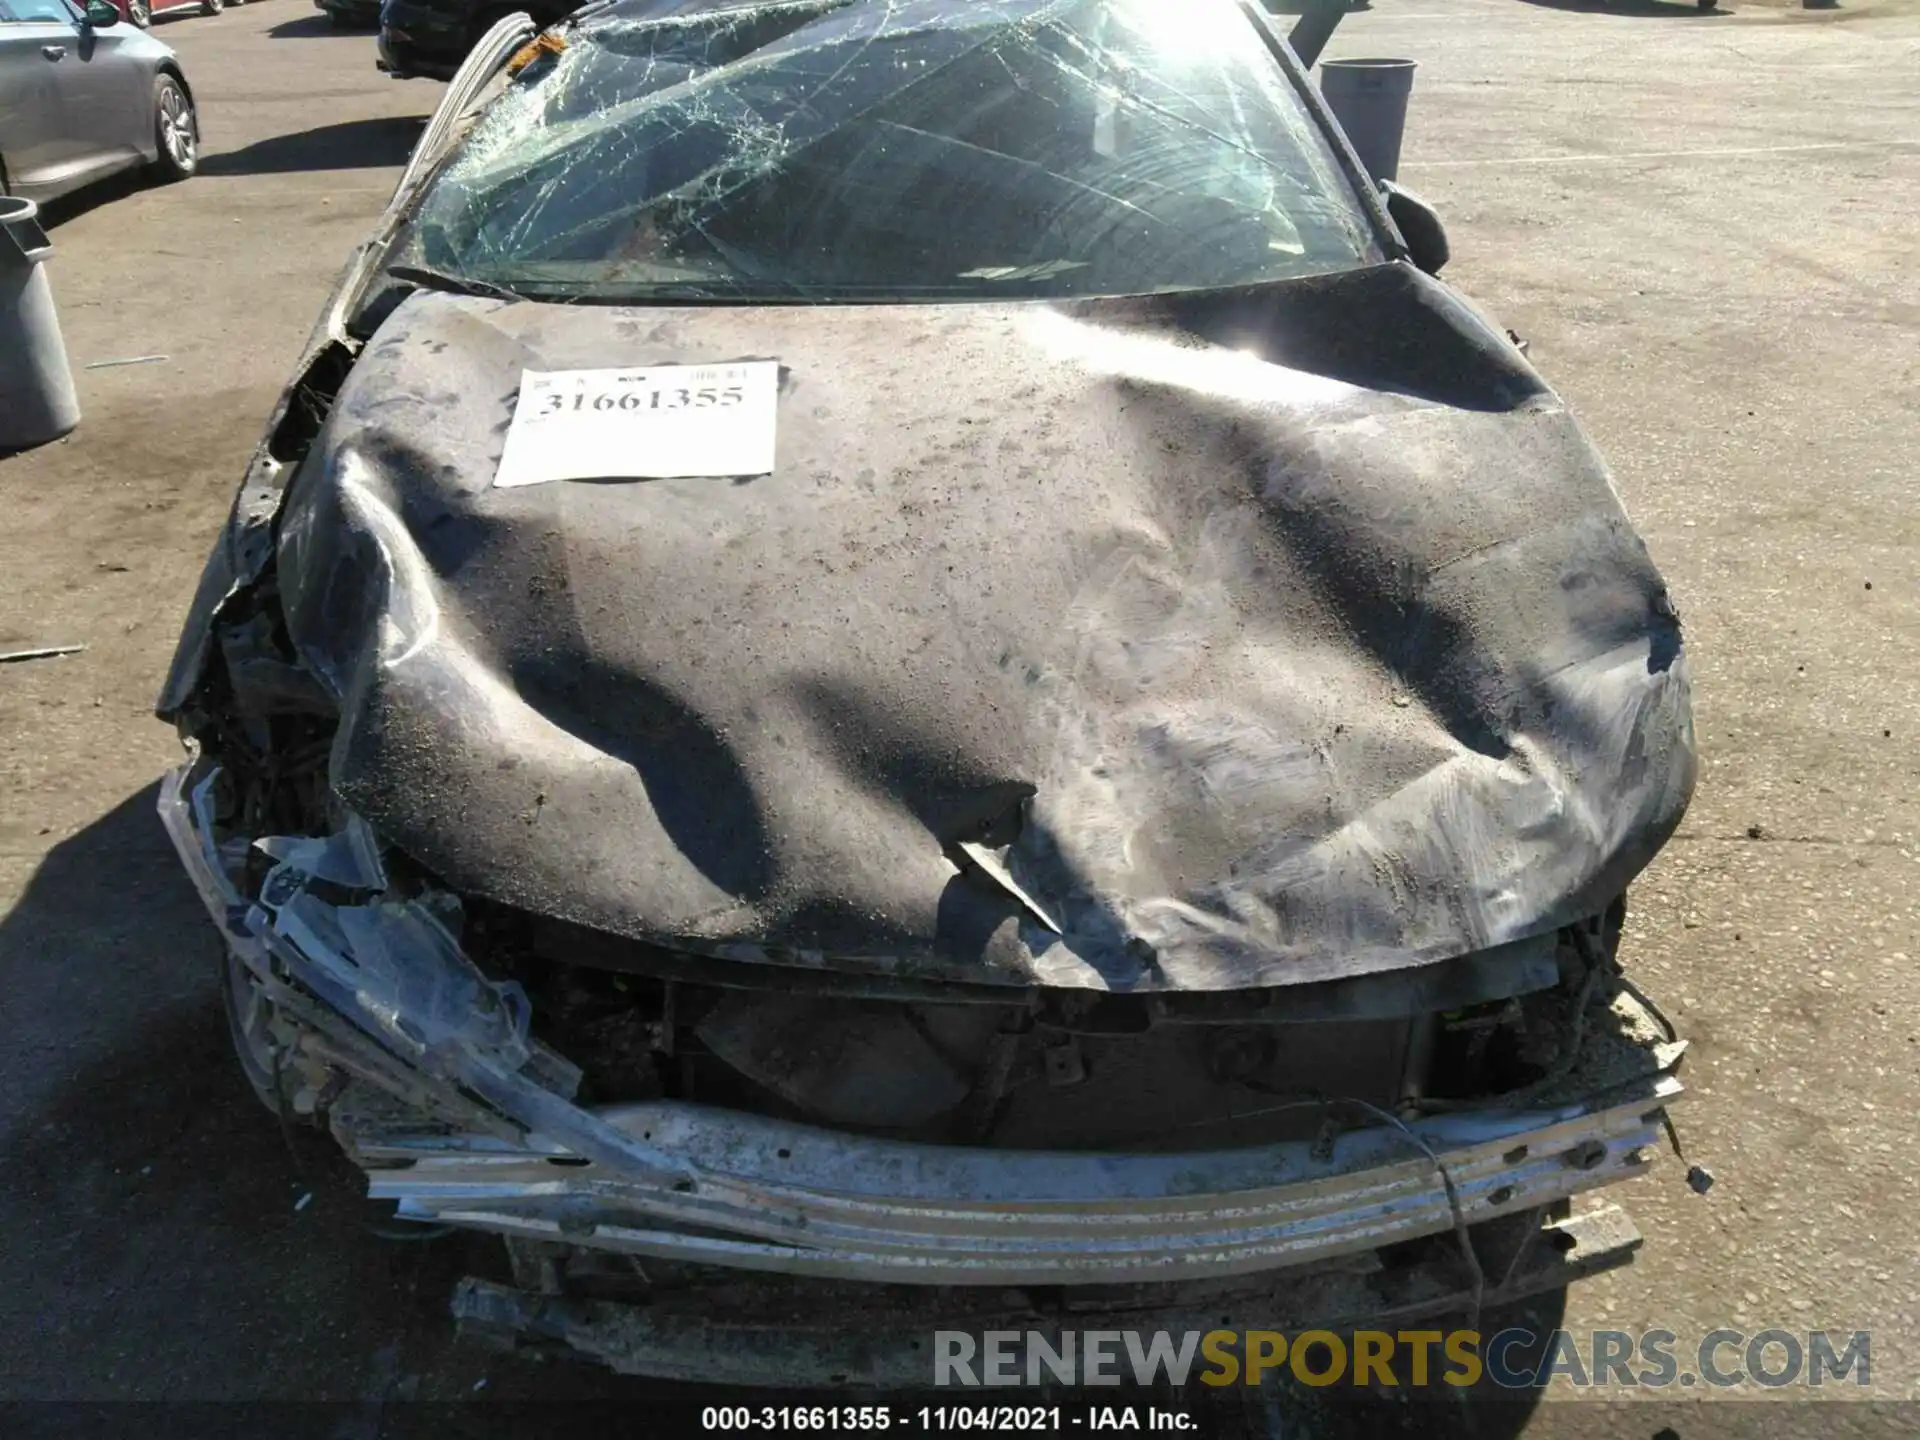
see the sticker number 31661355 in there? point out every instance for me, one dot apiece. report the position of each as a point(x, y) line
point(654, 422)
point(656, 398)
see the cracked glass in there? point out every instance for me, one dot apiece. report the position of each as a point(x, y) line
point(892, 150)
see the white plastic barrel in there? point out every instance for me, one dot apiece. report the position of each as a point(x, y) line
point(1369, 99)
point(37, 398)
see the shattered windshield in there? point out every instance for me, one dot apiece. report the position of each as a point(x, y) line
point(892, 149)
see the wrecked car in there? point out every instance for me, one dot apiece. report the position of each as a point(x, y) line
point(895, 654)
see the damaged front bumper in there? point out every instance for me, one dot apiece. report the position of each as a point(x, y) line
point(762, 1194)
point(461, 1118)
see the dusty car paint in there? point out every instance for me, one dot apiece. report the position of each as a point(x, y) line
point(1297, 634)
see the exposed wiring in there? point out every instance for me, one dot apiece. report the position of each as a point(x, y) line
point(1454, 1207)
point(1239, 1115)
point(1461, 1233)
point(1699, 1177)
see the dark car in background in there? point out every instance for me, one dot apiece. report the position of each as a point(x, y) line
point(83, 97)
point(427, 39)
point(350, 14)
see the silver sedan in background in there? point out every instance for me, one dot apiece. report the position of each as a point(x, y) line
point(83, 96)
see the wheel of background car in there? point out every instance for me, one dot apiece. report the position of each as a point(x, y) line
point(140, 14)
point(212, 7)
point(176, 129)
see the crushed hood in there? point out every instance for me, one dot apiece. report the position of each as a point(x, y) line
point(1190, 642)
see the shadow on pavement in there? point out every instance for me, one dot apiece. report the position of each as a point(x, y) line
point(1645, 8)
point(316, 24)
point(74, 204)
point(346, 145)
point(155, 1198)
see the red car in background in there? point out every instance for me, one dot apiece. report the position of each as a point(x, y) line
point(143, 12)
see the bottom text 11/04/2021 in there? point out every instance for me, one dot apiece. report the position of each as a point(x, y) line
point(943, 1419)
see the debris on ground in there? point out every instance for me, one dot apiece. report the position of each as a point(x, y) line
point(39, 652)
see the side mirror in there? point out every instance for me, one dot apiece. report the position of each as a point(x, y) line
point(1419, 225)
point(102, 13)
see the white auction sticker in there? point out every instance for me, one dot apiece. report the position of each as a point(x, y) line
point(654, 423)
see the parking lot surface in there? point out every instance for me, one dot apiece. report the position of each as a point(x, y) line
point(1703, 225)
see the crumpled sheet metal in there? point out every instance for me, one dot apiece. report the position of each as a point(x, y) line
point(384, 974)
point(1306, 612)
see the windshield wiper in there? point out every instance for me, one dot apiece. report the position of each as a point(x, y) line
point(453, 284)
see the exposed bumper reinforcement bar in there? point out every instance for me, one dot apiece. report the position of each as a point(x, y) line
point(776, 1196)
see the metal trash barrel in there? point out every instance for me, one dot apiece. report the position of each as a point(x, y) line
point(1369, 99)
point(37, 398)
